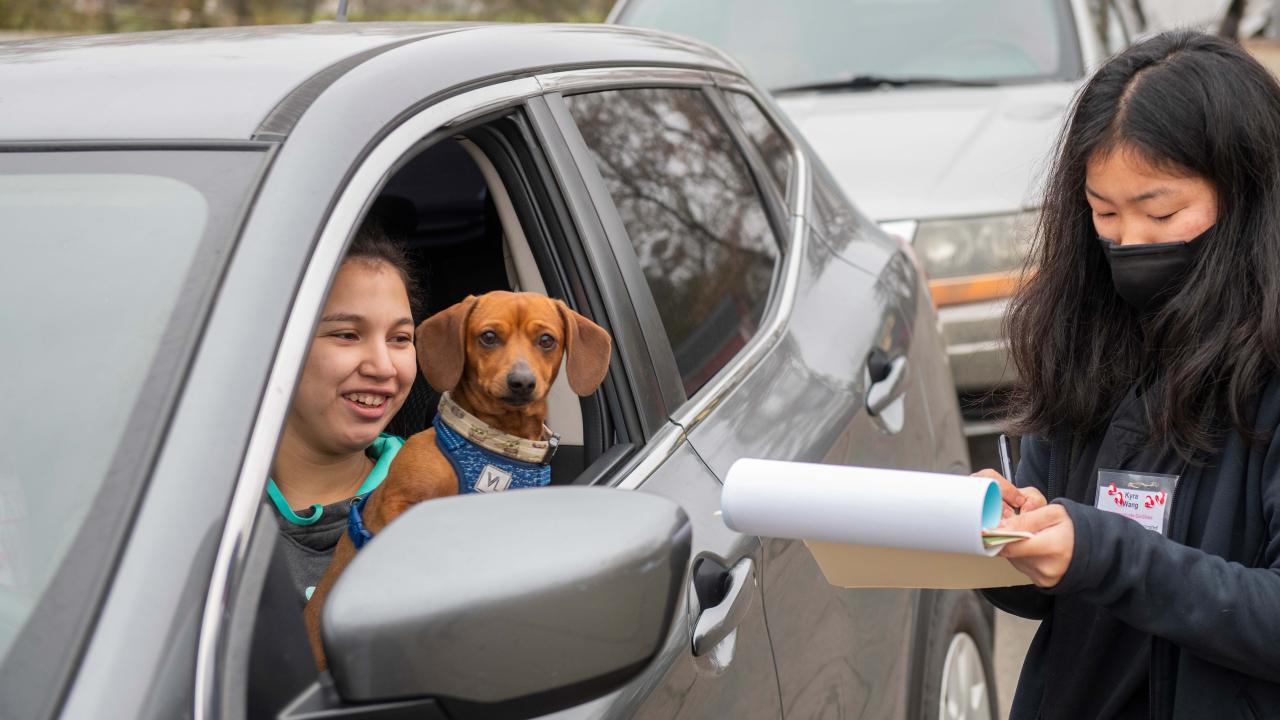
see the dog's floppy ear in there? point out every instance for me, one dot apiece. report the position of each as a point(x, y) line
point(441, 343)
point(586, 351)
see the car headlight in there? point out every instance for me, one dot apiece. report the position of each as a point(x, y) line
point(972, 259)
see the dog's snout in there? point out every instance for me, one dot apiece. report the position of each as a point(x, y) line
point(521, 380)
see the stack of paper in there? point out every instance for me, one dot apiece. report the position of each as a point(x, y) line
point(868, 527)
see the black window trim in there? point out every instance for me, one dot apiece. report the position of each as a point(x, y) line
point(774, 205)
point(766, 183)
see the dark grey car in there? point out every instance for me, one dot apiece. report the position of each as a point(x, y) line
point(173, 207)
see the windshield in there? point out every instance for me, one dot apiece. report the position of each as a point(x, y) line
point(784, 44)
point(99, 251)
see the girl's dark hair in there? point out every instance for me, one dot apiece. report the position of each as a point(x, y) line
point(373, 245)
point(1190, 104)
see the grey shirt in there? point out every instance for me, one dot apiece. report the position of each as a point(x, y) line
point(308, 548)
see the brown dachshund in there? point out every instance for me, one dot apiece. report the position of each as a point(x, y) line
point(497, 355)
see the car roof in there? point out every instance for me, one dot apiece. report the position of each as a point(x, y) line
point(221, 84)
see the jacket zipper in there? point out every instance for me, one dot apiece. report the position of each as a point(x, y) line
point(1161, 663)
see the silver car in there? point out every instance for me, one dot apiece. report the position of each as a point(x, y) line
point(173, 208)
point(938, 118)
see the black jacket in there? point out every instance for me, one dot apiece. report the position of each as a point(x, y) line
point(1202, 603)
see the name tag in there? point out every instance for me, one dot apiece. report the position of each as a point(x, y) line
point(1145, 498)
point(493, 479)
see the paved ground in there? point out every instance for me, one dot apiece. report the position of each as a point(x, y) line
point(1013, 635)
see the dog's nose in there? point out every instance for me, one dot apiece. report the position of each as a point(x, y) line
point(521, 380)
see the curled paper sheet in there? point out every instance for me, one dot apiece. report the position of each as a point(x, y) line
point(868, 527)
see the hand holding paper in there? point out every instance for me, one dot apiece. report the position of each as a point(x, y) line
point(877, 528)
point(1046, 556)
point(1016, 499)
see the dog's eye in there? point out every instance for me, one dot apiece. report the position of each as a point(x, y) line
point(546, 342)
point(488, 338)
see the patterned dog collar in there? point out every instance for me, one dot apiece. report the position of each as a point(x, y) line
point(495, 441)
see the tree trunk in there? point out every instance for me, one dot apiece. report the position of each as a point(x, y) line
point(108, 16)
point(1230, 27)
point(1140, 15)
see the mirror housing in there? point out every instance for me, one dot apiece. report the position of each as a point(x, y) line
point(539, 598)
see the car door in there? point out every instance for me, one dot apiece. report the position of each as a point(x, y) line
point(769, 334)
point(718, 661)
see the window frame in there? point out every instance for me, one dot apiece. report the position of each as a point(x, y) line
point(230, 605)
point(759, 164)
point(686, 411)
point(568, 265)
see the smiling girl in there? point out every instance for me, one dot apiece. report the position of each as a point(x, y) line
point(358, 373)
point(1147, 344)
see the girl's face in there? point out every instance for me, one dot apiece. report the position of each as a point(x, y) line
point(362, 361)
point(1135, 203)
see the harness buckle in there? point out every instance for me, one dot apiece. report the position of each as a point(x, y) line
point(553, 444)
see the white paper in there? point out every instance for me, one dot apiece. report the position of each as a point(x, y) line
point(869, 527)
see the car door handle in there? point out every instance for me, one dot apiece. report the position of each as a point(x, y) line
point(889, 386)
point(715, 623)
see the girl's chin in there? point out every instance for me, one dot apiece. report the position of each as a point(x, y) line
point(360, 438)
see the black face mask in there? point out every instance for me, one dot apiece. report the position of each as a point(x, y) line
point(1147, 275)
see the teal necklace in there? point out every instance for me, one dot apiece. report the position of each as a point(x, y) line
point(384, 449)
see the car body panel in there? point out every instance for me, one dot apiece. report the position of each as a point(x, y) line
point(805, 402)
point(733, 680)
point(140, 86)
point(737, 679)
point(937, 153)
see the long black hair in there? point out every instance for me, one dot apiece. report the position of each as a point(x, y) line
point(1192, 105)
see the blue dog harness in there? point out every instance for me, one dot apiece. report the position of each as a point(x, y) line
point(480, 470)
point(484, 459)
point(355, 523)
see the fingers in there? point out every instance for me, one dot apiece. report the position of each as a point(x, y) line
point(1008, 491)
point(1045, 557)
point(1034, 521)
point(1032, 499)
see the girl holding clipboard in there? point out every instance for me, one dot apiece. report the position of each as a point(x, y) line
point(1147, 343)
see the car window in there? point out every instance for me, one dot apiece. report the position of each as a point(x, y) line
point(99, 251)
point(820, 41)
point(765, 136)
point(693, 213)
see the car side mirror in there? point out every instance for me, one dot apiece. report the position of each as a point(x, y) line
point(508, 604)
